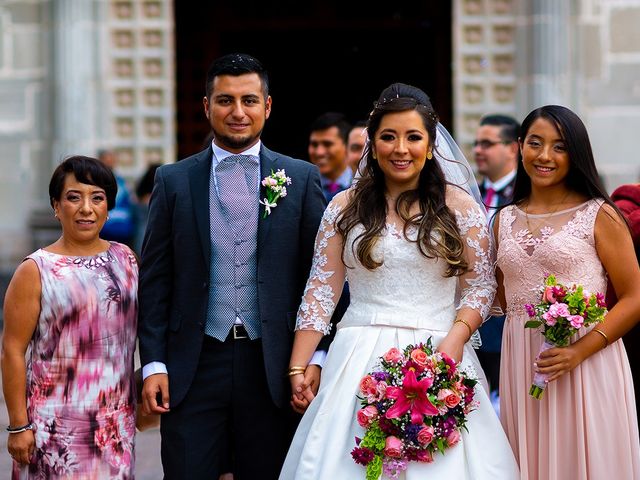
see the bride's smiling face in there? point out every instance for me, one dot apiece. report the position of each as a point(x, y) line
point(400, 146)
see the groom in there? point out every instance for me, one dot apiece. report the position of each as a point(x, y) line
point(220, 284)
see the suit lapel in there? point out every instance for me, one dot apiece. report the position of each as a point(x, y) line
point(268, 162)
point(199, 177)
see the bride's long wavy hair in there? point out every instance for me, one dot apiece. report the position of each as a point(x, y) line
point(438, 234)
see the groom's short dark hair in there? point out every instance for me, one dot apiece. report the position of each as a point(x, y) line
point(236, 64)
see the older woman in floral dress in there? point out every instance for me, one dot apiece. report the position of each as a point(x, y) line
point(72, 306)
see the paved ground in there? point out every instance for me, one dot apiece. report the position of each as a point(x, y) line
point(148, 465)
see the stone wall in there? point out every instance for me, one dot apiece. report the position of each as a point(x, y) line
point(25, 119)
point(511, 56)
point(77, 76)
point(608, 59)
point(484, 62)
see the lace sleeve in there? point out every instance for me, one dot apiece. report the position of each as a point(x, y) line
point(478, 285)
point(327, 275)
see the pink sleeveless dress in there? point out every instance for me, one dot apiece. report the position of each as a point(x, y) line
point(585, 425)
point(80, 384)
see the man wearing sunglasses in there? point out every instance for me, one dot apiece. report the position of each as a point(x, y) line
point(496, 154)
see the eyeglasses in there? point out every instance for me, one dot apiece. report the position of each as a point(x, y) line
point(486, 144)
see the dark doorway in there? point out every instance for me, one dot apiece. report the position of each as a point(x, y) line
point(322, 55)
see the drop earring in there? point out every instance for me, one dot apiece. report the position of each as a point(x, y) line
point(429, 155)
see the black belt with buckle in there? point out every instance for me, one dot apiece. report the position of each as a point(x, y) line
point(239, 332)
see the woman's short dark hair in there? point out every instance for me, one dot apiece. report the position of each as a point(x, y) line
point(86, 170)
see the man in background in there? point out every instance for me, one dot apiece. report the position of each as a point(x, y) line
point(496, 154)
point(356, 142)
point(328, 151)
point(120, 224)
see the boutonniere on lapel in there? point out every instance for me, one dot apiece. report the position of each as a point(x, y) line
point(275, 188)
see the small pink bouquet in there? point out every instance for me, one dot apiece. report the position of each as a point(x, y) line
point(561, 312)
point(414, 405)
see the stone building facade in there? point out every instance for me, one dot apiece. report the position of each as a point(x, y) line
point(511, 56)
point(77, 76)
point(80, 75)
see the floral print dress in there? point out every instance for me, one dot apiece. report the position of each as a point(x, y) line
point(80, 383)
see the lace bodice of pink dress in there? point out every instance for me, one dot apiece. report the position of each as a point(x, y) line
point(585, 426)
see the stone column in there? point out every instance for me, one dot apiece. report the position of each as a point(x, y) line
point(544, 45)
point(75, 73)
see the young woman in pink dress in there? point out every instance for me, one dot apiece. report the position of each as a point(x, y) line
point(71, 307)
point(562, 222)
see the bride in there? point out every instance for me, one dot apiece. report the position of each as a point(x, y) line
point(415, 248)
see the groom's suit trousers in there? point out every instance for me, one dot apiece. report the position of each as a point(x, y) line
point(229, 394)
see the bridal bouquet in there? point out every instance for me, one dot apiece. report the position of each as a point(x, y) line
point(562, 311)
point(413, 405)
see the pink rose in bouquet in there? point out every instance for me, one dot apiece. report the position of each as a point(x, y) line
point(413, 405)
point(548, 295)
point(453, 437)
point(424, 456)
point(367, 415)
point(425, 435)
point(393, 447)
point(393, 355)
point(419, 357)
point(561, 312)
point(450, 398)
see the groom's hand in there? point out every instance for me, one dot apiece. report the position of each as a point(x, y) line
point(155, 394)
point(312, 379)
point(301, 394)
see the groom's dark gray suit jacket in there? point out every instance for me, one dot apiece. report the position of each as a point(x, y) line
point(174, 271)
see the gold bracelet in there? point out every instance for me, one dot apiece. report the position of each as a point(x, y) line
point(604, 335)
point(296, 370)
point(462, 320)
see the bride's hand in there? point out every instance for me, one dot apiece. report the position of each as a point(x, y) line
point(453, 343)
point(452, 346)
point(301, 393)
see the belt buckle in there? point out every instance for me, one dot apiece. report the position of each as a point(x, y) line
point(239, 332)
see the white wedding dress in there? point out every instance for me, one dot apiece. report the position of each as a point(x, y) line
point(405, 301)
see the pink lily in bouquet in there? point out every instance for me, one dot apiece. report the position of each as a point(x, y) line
point(412, 397)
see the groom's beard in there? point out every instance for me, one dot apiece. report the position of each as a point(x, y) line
point(237, 142)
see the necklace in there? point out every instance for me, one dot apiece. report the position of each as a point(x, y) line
point(541, 222)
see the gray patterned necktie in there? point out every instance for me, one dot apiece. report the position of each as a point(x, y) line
point(237, 183)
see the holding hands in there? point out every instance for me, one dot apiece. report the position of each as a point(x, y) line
point(304, 386)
